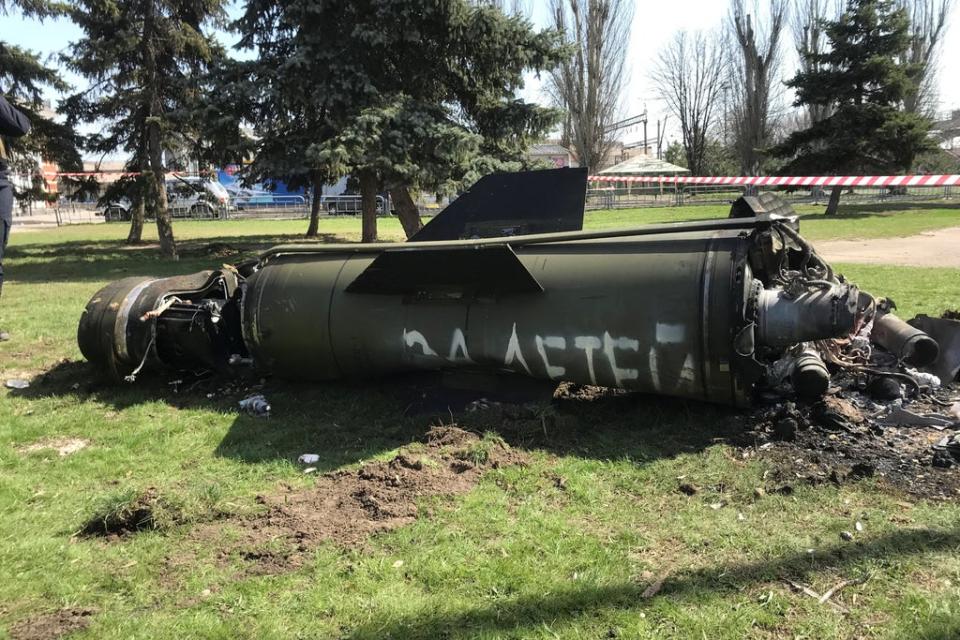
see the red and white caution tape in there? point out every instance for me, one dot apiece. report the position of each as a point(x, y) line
point(793, 181)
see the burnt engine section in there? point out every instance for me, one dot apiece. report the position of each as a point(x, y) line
point(715, 310)
point(183, 323)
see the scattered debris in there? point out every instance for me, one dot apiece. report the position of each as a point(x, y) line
point(256, 405)
point(884, 389)
point(62, 445)
point(846, 536)
point(946, 331)
point(804, 589)
point(18, 383)
point(925, 379)
point(308, 458)
point(48, 626)
point(832, 591)
point(905, 418)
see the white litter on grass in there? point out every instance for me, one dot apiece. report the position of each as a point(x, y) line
point(18, 383)
point(308, 458)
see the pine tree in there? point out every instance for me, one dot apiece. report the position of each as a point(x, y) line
point(142, 60)
point(417, 94)
point(23, 79)
point(863, 80)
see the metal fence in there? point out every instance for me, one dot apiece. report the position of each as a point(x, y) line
point(607, 196)
point(632, 196)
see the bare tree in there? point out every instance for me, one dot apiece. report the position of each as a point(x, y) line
point(689, 76)
point(808, 18)
point(753, 63)
point(509, 7)
point(928, 25)
point(588, 85)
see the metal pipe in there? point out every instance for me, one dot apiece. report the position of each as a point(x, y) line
point(909, 344)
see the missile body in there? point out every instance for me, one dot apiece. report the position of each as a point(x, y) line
point(695, 310)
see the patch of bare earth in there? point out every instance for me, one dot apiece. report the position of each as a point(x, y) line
point(347, 507)
point(48, 626)
point(63, 446)
point(928, 249)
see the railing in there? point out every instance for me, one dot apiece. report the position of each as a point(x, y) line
point(630, 196)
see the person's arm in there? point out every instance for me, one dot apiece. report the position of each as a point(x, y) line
point(12, 122)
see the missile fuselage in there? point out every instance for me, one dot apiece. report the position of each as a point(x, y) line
point(693, 310)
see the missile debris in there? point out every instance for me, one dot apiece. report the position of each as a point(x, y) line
point(697, 310)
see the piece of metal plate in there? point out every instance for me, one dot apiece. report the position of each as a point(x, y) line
point(477, 270)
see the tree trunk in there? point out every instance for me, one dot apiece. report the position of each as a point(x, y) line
point(368, 205)
point(154, 142)
point(407, 210)
point(314, 226)
point(137, 215)
point(834, 201)
point(168, 246)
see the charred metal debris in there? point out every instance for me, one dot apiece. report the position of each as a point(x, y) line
point(739, 311)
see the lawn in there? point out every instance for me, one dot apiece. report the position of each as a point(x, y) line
point(565, 546)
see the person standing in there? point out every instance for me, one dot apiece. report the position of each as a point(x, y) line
point(13, 124)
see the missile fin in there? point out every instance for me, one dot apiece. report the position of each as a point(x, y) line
point(513, 204)
point(468, 270)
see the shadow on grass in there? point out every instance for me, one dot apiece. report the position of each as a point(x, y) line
point(527, 612)
point(345, 422)
point(79, 261)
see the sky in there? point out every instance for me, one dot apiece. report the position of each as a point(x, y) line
point(654, 23)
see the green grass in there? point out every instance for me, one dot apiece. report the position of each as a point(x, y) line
point(851, 222)
point(517, 557)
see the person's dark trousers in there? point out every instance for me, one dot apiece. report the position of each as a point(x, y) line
point(6, 221)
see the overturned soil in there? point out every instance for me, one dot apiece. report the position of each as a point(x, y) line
point(47, 626)
point(347, 507)
point(929, 249)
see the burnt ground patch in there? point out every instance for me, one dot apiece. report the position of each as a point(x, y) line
point(840, 440)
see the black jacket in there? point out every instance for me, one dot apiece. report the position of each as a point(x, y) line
point(13, 124)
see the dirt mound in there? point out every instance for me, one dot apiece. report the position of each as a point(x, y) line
point(125, 515)
point(48, 626)
point(347, 507)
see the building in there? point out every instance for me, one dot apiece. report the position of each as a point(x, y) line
point(644, 165)
point(553, 154)
point(947, 132)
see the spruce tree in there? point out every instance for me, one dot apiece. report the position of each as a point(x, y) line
point(142, 60)
point(23, 79)
point(862, 78)
point(417, 94)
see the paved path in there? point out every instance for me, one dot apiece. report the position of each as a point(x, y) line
point(940, 248)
